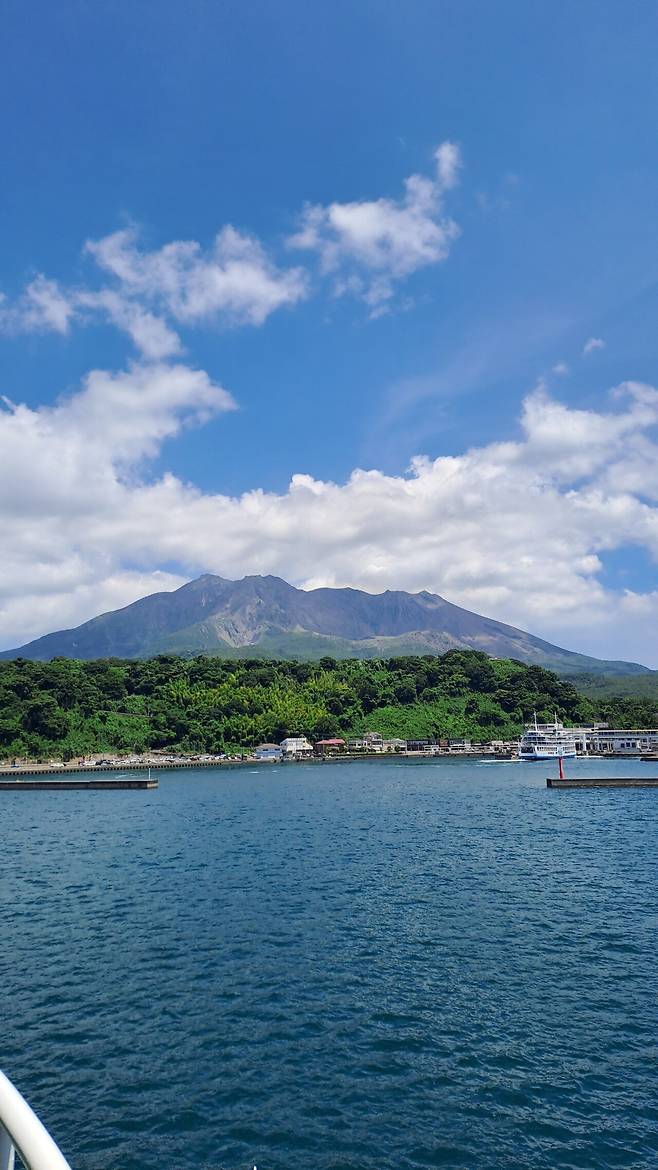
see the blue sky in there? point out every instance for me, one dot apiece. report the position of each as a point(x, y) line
point(170, 121)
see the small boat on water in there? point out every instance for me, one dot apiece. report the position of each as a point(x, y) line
point(546, 741)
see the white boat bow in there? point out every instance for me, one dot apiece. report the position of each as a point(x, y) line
point(22, 1132)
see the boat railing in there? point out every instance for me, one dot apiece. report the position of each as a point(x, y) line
point(21, 1132)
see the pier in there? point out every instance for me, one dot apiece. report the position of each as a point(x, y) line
point(603, 782)
point(100, 769)
point(67, 785)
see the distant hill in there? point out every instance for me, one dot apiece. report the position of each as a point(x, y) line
point(606, 686)
point(268, 618)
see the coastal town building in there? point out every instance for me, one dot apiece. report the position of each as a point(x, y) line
point(296, 747)
point(459, 745)
point(373, 741)
point(395, 745)
point(268, 751)
point(420, 745)
point(601, 740)
point(370, 741)
point(330, 747)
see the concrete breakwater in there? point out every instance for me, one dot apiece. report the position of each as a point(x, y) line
point(603, 782)
point(101, 769)
point(63, 785)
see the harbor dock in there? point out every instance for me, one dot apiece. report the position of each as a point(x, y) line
point(603, 782)
point(95, 770)
point(67, 785)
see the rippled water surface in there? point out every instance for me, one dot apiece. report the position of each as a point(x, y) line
point(376, 965)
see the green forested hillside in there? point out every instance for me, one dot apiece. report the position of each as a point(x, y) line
point(611, 686)
point(67, 707)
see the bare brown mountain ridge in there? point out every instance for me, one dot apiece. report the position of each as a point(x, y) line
point(266, 617)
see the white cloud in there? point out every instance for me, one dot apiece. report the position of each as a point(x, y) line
point(448, 164)
point(370, 244)
point(561, 368)
point(66, 454)
point(149, 294)
point(235, 279)
point(150, 334)
point(592, 344)
point(513, 529)
point(43, 307)
point(60, 604)
point(234, 283)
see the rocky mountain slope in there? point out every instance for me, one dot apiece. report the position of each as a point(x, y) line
point(266, 617)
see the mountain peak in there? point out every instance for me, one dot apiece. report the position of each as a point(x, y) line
point(263, 615)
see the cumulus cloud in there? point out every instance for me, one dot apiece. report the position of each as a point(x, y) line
point(234, 278)
point(47, 308)
point(561, 368)
point(65, 472)
point(43, 307)
point(512, 529)
point(150, 333)
point(592, 344)
point(150, 294)
point(233, 283)
point(368, 245)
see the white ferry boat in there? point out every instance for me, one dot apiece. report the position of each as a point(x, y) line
point(547, 741)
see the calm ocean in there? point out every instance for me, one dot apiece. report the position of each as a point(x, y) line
point(376, 966)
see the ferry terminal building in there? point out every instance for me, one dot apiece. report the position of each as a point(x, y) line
point(601, 740)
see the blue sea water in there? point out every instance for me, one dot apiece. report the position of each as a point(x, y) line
point(382, 965)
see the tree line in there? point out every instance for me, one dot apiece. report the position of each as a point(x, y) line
point(206, 704)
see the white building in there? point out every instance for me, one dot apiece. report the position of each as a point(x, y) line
point(459, 745)
point(602, 740)
point(394, 745)
point(296, 747)
point(268, 751)
point(372, 741)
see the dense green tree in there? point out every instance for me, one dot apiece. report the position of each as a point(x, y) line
point(44, 718)
point(210, 704)
point(404, 692)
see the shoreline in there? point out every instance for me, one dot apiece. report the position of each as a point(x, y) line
point(183, 763)
point(56, 769)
